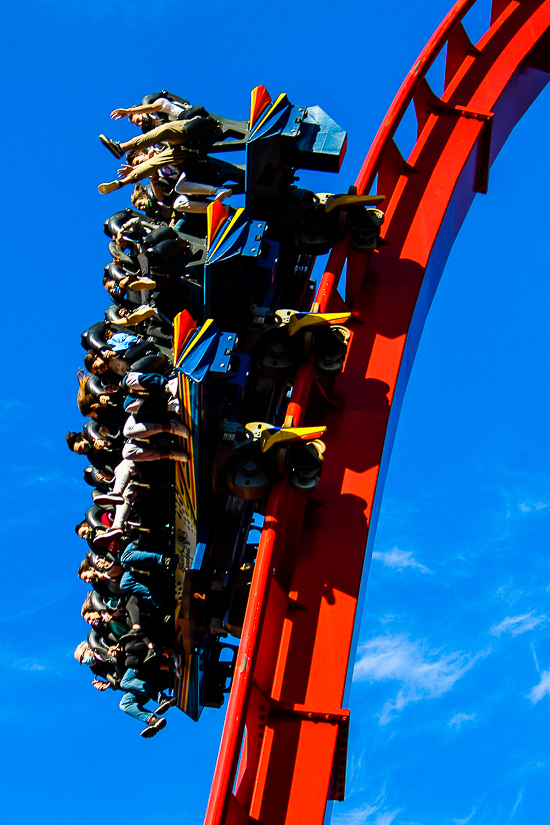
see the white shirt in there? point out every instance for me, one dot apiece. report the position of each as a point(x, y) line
point(173, 110)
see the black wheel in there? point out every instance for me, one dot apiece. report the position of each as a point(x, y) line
point(249, 478)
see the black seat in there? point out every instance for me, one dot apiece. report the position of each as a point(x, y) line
point(91, 478)
point(94, 337)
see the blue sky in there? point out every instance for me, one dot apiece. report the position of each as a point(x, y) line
point(451, 695)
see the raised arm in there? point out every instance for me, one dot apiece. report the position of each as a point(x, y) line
point(117, 114)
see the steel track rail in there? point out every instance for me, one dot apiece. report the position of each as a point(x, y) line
point(298, 637)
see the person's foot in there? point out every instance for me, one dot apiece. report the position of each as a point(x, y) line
point(143, 283)
point(179, 428)
point(140, 314)
point(113, 146)
point(153, 727)
point(171, 386)
point(106, 538)
point(152, 653)
point(178, 456)
point(222, 194)
point(109, 498)
point(173, 405)
point(131, 634)
point(105, 188)
point(166, 704)
point(175, 658)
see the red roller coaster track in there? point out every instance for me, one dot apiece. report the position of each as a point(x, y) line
point(283, 749)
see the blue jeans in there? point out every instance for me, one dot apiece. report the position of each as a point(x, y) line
point(138, 694)
point(134, 380)
point(140, 557)
point(130, 584)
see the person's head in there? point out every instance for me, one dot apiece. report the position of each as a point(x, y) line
point(138, 118)
point(92, 617)
point(84, 530)
point(76, 442)
point(140, 199)
point(89, 613)
point(142, 120)
point(86, 572)
point(111, 285)
point(84, 654)
point(84, 397)
point(95, 363)
point(135, 157)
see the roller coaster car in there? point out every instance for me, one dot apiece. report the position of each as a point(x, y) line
point(256, 259)
point(283, 138)
point(330, 216)
point(284, 339)
point(238, 271)
point(250, 458)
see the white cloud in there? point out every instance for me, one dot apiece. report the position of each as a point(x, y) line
point(542, 689)
point(387, 818)
point(517, 802)
point(28, 664)
point(464, 821)
point(357, 816)
point(527, 506)
point(365, 814)
point(518, 624)
point(400, 559)
point(459, 718)
point(424, 673)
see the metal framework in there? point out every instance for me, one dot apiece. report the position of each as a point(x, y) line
point(283, 748)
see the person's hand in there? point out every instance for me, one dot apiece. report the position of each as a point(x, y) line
point(117, 114)
point(124, 170)
point(100, 443)
point(108, 354)
point(99, 685)
point(154, 176)
point(103, 564)
point(114, 650)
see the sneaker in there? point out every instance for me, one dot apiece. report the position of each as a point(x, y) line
point(143, 283)
point(166, 704)
point(109, 498)
point(140, 314)
point(130, 635)
point(174, 405)
point(153, 727)
point(181, 456)
point(105, 188)
point(179, 428)
point(113, 146)
point(106, 538)
point(222, 194)
point(171, 386)
point(175, 658)
point(152, 653)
